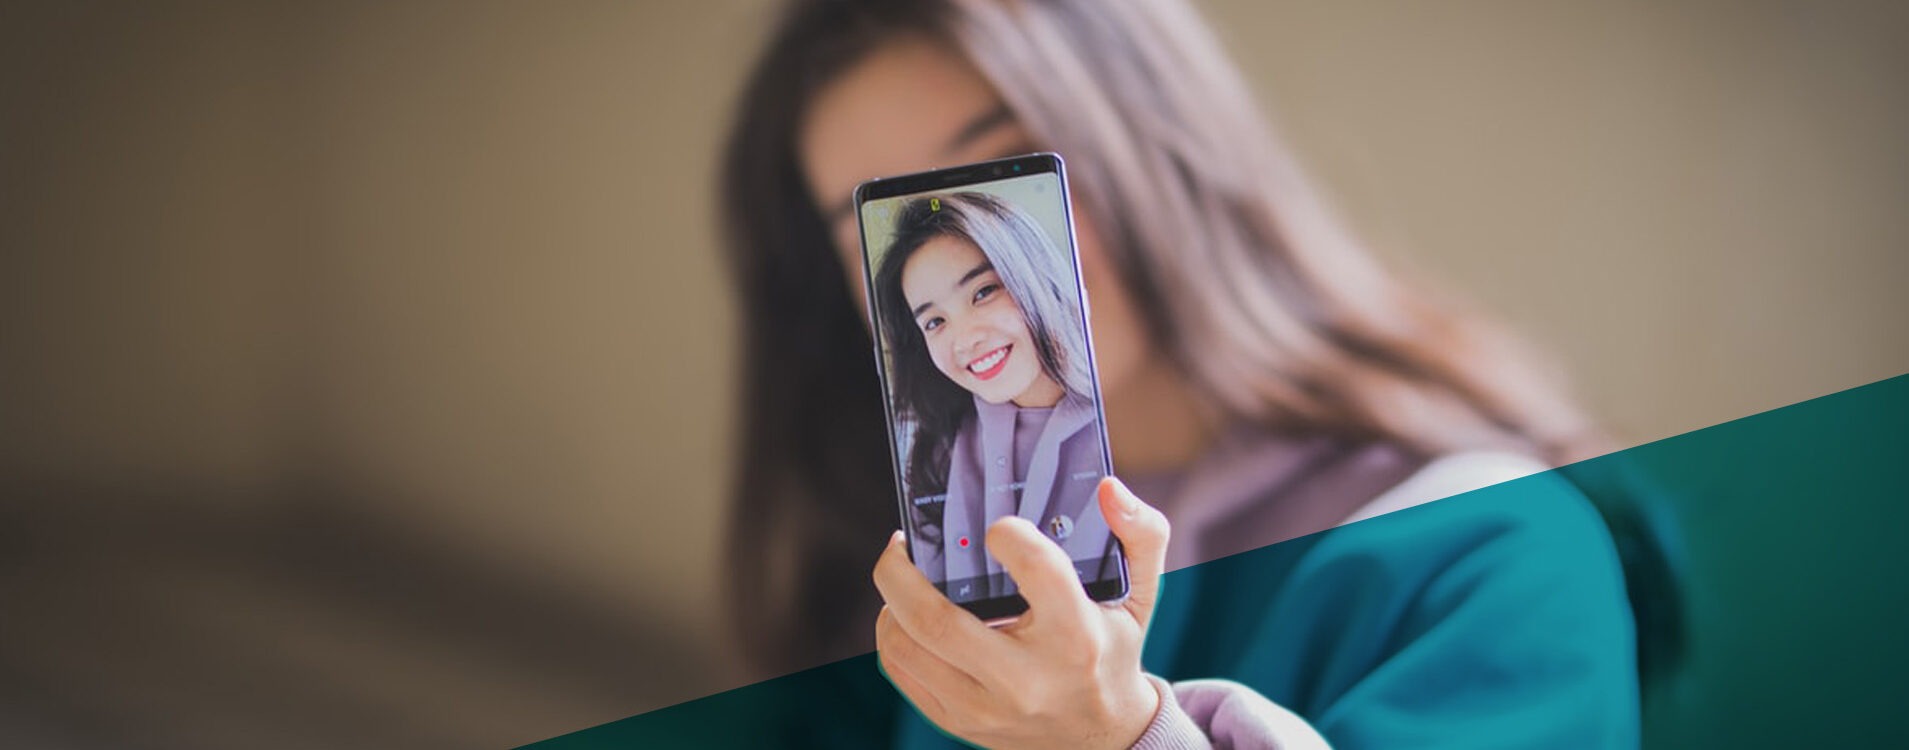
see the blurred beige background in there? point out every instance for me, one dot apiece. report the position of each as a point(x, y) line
point(382, 349)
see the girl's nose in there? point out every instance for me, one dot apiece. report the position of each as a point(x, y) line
point(969, 336)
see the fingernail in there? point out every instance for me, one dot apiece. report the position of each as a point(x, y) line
point(895, 538)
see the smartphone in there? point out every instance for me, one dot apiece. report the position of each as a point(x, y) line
point(987, 366)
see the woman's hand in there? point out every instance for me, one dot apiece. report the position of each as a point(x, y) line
point(1066, 674)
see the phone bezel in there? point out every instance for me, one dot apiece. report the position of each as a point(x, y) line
point(996, 609)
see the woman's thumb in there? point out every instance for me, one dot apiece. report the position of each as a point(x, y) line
point(1143, 533)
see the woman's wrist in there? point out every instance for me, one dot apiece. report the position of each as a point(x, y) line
point(1150, 702)
point(1170, 727)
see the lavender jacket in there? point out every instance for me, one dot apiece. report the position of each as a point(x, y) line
point(1062, 469)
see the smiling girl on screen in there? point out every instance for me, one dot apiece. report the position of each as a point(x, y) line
point(981, 317)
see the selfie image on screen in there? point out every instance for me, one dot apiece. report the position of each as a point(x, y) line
point(990, 378)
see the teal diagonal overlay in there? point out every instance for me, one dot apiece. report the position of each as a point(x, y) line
point(1796, 582)
point(1765, 589)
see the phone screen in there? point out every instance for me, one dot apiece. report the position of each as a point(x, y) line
point(994, 409)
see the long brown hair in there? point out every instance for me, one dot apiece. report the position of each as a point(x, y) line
point(1246, 283)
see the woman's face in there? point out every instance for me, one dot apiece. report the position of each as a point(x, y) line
point(975, 332)
point(912, 106)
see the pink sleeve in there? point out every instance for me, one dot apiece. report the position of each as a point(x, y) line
point(1221, 713)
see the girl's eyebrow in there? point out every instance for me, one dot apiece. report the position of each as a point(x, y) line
point(981, 125)
point(984, 267)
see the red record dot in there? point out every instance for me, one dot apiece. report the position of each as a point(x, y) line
point(963, 541)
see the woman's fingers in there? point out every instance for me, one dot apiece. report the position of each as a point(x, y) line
point(1143, 533)
point(945, 629)
point(898, 671)
point(1041, 569)
point(933, 685)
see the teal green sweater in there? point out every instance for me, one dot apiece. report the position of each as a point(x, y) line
point(1496, 618)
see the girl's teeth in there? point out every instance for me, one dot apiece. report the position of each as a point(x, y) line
point(988, 362)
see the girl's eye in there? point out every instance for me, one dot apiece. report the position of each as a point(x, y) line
point(930, 324)
point(986, 291)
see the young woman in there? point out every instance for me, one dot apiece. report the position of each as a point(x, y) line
point(988, 358)
point(1264, 378)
